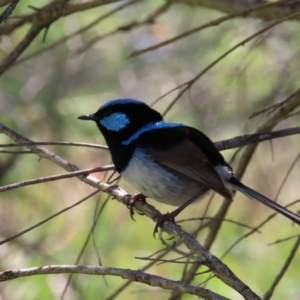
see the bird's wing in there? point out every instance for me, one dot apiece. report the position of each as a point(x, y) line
point(189, 160)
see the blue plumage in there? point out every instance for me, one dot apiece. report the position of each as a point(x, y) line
point(169, 162)
point(149, 127)
point(122, 101)
point(115, 121)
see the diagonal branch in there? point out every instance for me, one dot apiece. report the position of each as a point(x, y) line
point(55, 177)
point(287, 263)
point(228, 6)
point(205, 257)
point(215, 22)
point(8, 11)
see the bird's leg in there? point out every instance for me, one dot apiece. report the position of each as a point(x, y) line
point(131, 202)
point(171, 216)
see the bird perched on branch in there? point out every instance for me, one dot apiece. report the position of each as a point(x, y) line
point(168, 162)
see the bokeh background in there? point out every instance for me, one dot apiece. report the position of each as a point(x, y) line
point(42, 97)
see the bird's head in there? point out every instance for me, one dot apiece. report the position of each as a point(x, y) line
point(120, 119)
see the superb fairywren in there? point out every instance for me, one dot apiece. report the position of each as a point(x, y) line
point(168, 162)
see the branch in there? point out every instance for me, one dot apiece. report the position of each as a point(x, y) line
point(215, 22)
point(29, 37)
point(255, 138)
point(8, 11)
point(42, 18)
point(205, 257)
point(4, 2)
point(269, 293)
point(47, 219)
point(229, 6)
point(235, 142)
point(77, 32)
point(284, 239)
point(149, 19)
point(187, 85)
point(55, 177)
point(131, 275)
point(57, 144)
point(248, 152)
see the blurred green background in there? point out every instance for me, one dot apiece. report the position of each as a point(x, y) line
point(42, 97)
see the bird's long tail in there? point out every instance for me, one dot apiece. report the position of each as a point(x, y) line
point(236, 184)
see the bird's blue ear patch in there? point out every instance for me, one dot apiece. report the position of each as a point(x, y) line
point(115, 121)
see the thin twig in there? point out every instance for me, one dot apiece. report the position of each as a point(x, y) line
point(214, 218)
point(284, 268)
point(284, 240)
point(270, 217)
point(286, 176)
point(149, 19)
point(126, 284)
point(88, 145)
point(189, 83)
point(201, 27)
point(247, 139)
point(81, 30)
point(55, 177)
point(47, 219)
point(20, 48)
point(235, 142)
point(16, 152)
point(91, 231)
point(8, 11)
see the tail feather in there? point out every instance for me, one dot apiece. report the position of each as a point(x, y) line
point(237, 185)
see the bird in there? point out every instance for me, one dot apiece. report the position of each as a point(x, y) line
point(171, 163)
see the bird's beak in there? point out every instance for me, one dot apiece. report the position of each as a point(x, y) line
point(88, 117)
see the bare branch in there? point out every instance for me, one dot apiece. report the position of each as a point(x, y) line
point(284, 240)
point(42, 152)
point(255, 228)
point(247, 139)
point(47, 219)
point(55, 177)
point(43, 18)
point(270, 292)
point(215, 22)
point(16, 152)
point(214, 218)
point(88, 145)
point(187, 85)
point(286, 176)
point(228, 6)
point(89, 235)
point(81, 30)
point(150, 19)
point(137, 276)
point(8, 11)
point(4, 2)
point(29, 37)
point(215, 225)
point(235, 142)
point(205, 257)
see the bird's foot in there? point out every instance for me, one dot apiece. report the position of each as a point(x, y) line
point(131, 202)
point(165, 217)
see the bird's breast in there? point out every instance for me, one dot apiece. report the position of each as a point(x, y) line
point(159, 182)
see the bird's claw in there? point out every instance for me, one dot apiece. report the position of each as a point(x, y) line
point(162, 218)
point(131, 202)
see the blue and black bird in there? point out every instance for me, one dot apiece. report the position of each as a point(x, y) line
point(168, 162)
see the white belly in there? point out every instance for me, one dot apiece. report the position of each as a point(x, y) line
point(157, 182)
